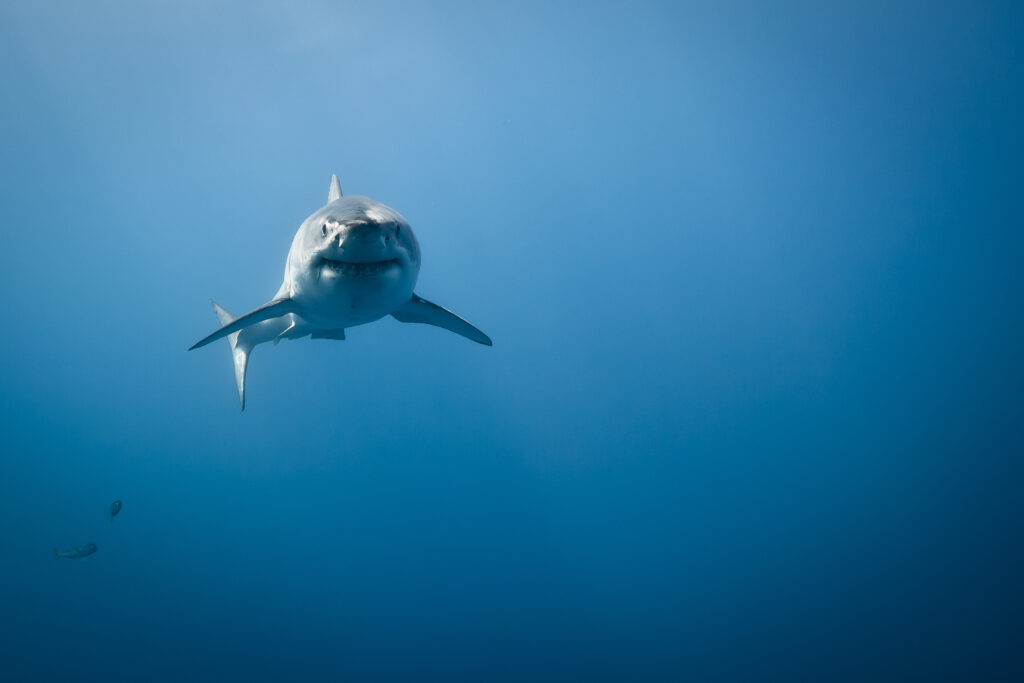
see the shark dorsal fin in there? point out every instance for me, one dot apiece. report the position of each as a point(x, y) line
point(335, 191)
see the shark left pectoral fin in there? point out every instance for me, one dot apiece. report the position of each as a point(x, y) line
point(272, 309)
point(419, 310)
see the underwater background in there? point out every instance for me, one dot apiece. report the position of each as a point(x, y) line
point(753, 409)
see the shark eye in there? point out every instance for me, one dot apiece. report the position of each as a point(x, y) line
point(323, 230)
point(398, 230)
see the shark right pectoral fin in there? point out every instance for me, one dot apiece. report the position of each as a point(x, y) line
point(273, 309)
point(419, 310)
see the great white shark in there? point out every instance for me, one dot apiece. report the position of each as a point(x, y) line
point(351, 262)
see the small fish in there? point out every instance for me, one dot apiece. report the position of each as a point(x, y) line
point(80, 551)
point(115, 507)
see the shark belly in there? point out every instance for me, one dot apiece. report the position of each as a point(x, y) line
point(337, 302)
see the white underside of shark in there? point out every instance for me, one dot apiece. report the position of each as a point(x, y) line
point(353, 261)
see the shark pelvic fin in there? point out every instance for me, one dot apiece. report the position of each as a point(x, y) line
point(419, 310)
point(338, 333)
point(240, 349)
point(284, 333)
point(335, 191)
point(272, 309)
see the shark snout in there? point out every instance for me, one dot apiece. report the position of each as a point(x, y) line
point(362, 238)
point(363, 242)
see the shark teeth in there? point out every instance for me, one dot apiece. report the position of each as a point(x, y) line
point(358, 269)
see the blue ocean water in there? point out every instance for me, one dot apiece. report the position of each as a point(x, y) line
point(753, 410)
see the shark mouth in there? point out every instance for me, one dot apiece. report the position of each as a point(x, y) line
point(358, 269)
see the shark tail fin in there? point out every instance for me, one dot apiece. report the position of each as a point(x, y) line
point(56, 552)
point(239, 353)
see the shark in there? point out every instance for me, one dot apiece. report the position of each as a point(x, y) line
point(353, 261)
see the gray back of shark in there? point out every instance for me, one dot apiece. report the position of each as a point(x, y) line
point(352, 262)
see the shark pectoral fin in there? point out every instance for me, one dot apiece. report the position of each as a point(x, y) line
point(419, 310)
point(273, 309)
